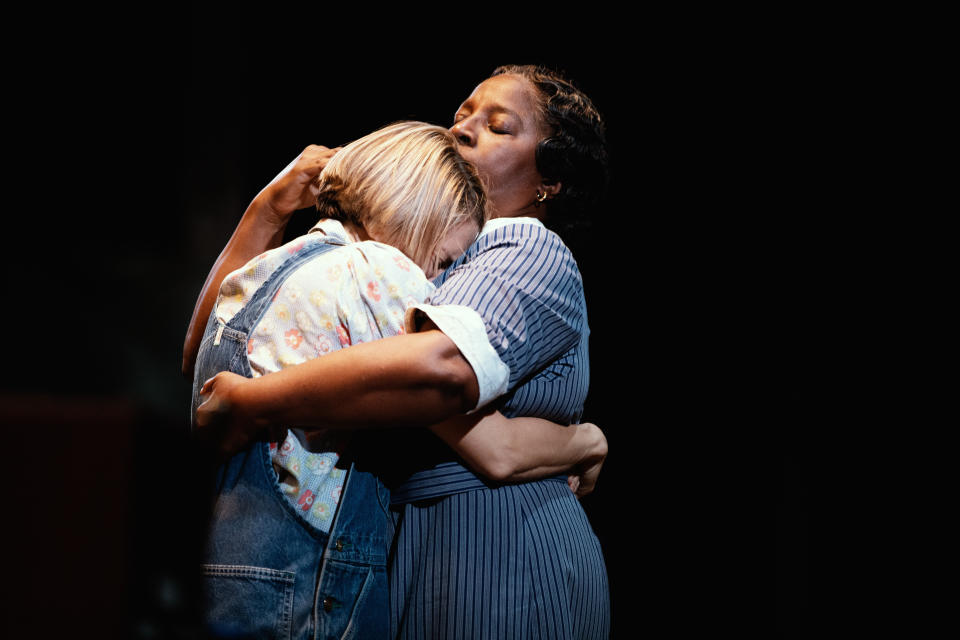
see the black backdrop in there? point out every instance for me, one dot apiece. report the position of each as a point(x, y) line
point(145, 142)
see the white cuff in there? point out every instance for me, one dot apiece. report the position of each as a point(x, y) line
point(465, 327)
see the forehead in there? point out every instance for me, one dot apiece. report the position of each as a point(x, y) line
point(507, 92)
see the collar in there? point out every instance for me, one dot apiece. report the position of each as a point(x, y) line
point(499, 223)
point(331, 228)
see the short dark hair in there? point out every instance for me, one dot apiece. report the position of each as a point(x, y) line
point(575, 154)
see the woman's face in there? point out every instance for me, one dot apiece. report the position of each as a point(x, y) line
point(498, 131)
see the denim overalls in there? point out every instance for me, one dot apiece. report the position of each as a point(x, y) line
point(267, 572)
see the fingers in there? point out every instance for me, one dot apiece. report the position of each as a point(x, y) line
point(295, 187)
point(585, 488)
point(319, 149)
point(213, 403)
point(206, 412)
point(208, 385)
point(314, 159)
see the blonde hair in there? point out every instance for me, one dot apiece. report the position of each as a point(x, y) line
point(406, 185)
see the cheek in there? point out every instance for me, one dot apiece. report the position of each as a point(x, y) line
point(515, 177)
point(511, 174)
point(509, 169)
point(505, 161)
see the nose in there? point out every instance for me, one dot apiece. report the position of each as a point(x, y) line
point(463, 132)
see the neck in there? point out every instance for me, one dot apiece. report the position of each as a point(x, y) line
point(355, 232)
point(530, 211)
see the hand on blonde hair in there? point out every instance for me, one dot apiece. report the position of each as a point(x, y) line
point(295, 187)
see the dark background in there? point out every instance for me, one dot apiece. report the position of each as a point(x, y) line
point(145, 141)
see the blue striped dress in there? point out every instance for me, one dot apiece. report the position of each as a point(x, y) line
point(475, 560)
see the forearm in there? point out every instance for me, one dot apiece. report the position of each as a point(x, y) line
point(409, 380)
point(521, 449)
point(260, 229)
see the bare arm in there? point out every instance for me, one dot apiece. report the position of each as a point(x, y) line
point(408, 380)
point(261, 228)
point(520, 449)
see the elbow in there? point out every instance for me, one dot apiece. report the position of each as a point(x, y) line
point(191, 347)
point(186, 368)
point(501, 463)
point(189, 359)
point(499, 469)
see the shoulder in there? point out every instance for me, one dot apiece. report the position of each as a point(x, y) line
point(513, 262)
point(521, 248)
point(519, 234)
point(355, 270)
point(377, 253)
point(357, 253)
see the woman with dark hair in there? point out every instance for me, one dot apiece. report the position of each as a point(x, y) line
point(471, 558)
point(574, 155)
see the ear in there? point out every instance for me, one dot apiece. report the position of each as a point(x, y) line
point(551, 188)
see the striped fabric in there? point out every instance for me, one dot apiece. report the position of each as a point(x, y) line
point(525, 284)
point(473, 560)
point(444, 479)
point(520, 561)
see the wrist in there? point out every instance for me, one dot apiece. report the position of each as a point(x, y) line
point(269, 212)
point(244, 403)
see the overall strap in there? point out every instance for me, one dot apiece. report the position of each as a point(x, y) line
point(250, 314)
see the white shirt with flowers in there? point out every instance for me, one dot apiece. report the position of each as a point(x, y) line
point(344, 296)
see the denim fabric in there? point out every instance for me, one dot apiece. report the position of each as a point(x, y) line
point(267, 572)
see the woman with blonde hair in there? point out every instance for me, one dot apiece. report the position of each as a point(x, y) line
point(300, 529)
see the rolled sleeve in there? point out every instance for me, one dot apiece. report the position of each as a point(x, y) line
point(525, 285)
point(466, 329)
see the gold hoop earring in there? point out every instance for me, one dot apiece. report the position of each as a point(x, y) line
point(541, 196)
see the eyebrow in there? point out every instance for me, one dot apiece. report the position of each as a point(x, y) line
point(504, 110)
point(495, 109)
